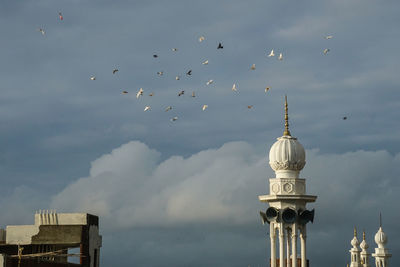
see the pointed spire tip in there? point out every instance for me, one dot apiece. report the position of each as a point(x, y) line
point(286, 132)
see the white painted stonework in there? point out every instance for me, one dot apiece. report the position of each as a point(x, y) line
point(381, 254)
point(287, 157)
point(287, 191)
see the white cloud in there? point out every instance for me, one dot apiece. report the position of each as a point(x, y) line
point(130, 186)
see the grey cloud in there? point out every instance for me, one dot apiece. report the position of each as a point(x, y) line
point(54, 120)
point(132, 189)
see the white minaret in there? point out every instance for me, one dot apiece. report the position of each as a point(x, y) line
point(381, 254)
point(355, 251)
point(287, 214)
point(364, 252)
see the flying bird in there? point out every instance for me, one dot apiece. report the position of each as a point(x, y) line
point(326, 50)
point(193, 95)
point(220, 46)
point(344, 118)
point(181, 93)
point(124, 92)
point(189, 72)
point(151, 94)
point(155, 56)
point(41, 31)
point(271, 54)
point(253, 67)
point(328, 37)
point(177, 78)
point(60, 16)
point(146, 108)
point(174, 49)
point(168, 108)
point(234, 87)
point(209, 82)
point(205, 62)
point(160, 73)
point(114, 71)
point(139, 93)
point(174, 119)
point(280, 56)
point(201, 39)
point(93, 78)
point(204, 107)
point(266, 89)
point(249, 107)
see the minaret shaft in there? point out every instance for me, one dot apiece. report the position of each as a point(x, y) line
point(287, 200)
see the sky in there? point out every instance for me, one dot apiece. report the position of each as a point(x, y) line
point(185, 192)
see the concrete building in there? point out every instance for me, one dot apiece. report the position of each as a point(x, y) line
point(287, 214)
point(51, 239)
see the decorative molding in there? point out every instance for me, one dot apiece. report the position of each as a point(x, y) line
point(288, 187)
point(275, 188)
point(295, 166)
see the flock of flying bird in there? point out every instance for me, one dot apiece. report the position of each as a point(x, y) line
point(140, 92)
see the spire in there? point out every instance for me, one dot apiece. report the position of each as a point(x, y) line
point(364, 235)
point(355, 231)
point(380, 219)
point(286, 132)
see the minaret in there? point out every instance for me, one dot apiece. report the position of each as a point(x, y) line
point(287, 214)
point(364, 252)
point(381, 254)
point(355, 251)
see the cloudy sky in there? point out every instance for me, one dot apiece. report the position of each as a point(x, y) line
point(184, 193)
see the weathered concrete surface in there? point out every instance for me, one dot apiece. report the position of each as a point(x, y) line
point(21, 234)
point(61, 218)
point(58, 234)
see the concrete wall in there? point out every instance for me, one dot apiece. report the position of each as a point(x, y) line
point(2, 236)
point(21, 234)
point(2, 260)
point(61, 218)
point(95, 241)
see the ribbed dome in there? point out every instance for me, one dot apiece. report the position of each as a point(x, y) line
point(381, 238)
point(354, 242)
point(364, 245)
point(287, 154)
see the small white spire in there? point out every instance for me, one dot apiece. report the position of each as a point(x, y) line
point(381, 254)
point(355, 260)
point(364, 252)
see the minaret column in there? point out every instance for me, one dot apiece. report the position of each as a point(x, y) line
point(294, 245)
point(288, 247)
point(287, 212)
point(303, 237)
point(272, 232)
point(281, 246)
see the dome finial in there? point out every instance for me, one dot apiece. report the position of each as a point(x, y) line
point(364, 235)
point(355, 231)
point(286, 132)
point(380, 219)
